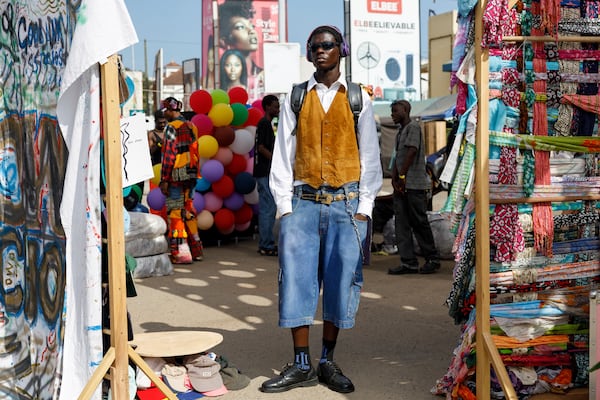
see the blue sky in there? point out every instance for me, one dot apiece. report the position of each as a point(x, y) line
point(176, 26)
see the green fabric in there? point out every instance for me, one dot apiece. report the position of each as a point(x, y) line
point(576, 144)
point(528, 173)
point(130, 263)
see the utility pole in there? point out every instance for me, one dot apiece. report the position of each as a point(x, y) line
point(146, 95)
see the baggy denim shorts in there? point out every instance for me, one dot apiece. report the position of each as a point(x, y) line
point(320, 247)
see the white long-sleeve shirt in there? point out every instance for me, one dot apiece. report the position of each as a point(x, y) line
point(281, 178)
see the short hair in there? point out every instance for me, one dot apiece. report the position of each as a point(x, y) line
point(268, 100)
point(230, 9)
point(158, 114)
point(402, 103)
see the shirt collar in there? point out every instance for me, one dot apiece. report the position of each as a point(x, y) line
point(341, 81)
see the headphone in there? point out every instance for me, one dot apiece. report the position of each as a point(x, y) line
point(344, 48)
point(171, 103)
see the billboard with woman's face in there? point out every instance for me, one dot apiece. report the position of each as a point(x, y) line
point(233, 38)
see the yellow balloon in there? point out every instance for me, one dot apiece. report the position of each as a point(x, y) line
point(156, 178)
point(221, 114)
point(207, 146)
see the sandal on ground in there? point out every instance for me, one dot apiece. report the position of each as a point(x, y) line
point(268, 252)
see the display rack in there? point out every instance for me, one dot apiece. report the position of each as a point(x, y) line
point(486, 350)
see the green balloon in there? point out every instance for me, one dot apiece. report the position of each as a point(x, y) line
point(219, 96)
point(240, 114)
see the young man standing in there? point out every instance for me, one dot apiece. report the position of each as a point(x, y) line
point(324, 178)
point(156, 137)
point(177, 181)
point(411, 183)
point(265, 140)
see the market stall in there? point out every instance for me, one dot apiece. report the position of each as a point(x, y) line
point(526, 156)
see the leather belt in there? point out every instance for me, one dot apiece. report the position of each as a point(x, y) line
point(328, 198)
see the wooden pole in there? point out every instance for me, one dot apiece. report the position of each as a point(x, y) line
point(115, 228)
point(117, 356)
point(482, 206)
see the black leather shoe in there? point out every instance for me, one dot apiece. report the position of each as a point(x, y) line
point(330, 374)
point(402, 270)
point(291, 377)
point(429, 267)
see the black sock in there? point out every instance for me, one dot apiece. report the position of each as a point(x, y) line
point(302, 358)
point(327, 352)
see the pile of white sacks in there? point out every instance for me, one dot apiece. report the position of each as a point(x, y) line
point(440, 227)
point(146, 241)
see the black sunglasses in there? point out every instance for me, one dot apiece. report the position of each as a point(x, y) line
point(323, 45)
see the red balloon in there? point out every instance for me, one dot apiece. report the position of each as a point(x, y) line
point(237, 94)
point(254, 115)
point(201, 101)
point(225, 135)
point(238, 164)
point(258, 104)
point(224, 219)
point(243, 215)
point(227, 231)
point(224, 187)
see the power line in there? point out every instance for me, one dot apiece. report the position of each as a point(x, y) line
point(172, 41)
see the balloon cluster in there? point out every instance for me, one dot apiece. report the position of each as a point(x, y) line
point(225, 196)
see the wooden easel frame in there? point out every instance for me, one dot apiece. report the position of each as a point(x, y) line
point(116, 360)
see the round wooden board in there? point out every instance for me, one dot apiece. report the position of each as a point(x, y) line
point(174, 343)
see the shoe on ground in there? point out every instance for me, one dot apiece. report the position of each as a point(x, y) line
point(331, 375)
point(390, 249)
point(403, 270)
point(429, 267)
point(182, 255)
point(291, 377)
point(196, 249)
point(268, 252)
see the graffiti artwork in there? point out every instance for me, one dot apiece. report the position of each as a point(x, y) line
point(34, 45)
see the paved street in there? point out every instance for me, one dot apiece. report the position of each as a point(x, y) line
point(402, 342)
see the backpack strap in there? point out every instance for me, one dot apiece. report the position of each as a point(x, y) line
point(355, 100)
point(297, 100)
point(354, 95)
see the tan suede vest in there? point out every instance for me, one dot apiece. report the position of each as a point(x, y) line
point(326, 149)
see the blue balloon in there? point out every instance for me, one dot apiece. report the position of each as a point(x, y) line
point(202, 185)
point(244, 183)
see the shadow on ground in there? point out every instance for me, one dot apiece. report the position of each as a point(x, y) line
point(402, 342)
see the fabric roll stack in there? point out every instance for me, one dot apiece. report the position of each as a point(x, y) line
point(544, 221)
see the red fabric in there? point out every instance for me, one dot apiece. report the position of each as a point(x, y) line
point(550, 15)
point(153, 393)
point(543, 224)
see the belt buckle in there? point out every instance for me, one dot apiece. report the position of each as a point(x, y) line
point(326, 199)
